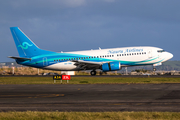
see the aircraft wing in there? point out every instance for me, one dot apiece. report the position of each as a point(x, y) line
point(85, 65)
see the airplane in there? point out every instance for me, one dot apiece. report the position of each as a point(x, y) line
point(112, 59)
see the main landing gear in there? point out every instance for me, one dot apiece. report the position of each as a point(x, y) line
point(93, 72)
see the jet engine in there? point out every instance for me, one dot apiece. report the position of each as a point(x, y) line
point(111, 66)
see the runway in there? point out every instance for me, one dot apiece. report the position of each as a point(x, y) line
point(109, 76)
point(90, 97)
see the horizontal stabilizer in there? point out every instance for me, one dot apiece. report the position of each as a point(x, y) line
point(20, 58)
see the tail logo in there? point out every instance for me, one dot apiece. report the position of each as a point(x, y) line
point(25, 45)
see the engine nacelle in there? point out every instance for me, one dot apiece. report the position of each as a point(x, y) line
point(111, 66)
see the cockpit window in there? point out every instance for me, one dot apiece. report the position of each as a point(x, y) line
point(160, 51)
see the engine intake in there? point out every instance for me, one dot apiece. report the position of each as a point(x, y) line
point(111, 66)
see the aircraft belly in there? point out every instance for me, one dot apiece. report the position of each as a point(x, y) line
point(151, 60)
point(62, 66)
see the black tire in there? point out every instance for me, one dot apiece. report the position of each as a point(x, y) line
point(93, 73)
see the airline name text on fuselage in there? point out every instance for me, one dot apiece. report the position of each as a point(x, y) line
point(124, 51)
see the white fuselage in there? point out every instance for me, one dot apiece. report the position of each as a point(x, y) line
point(127, 56)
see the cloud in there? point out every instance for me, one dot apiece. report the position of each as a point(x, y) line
point(93, 23)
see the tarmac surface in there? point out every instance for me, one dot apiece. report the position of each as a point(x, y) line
point(136, 76)
point(90, 97)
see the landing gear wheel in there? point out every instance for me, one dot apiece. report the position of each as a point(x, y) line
point(93, 73)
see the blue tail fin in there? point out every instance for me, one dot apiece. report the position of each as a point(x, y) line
point(25, 47)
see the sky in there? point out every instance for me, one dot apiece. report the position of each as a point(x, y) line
point(74, 25)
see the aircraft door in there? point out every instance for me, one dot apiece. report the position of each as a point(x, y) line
point(149, 53)
point(45, 63)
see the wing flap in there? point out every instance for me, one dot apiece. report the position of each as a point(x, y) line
point(87, 62)
point(85, 65)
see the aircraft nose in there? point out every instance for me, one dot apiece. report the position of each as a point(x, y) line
point(169, 55)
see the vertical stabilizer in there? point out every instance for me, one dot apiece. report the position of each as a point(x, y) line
point(24, 45)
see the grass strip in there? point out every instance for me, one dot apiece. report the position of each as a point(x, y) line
point(34, 115)
point(86, 80)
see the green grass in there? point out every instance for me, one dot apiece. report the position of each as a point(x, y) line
point(35, 115)
point(86, 80)
point(30, 115)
